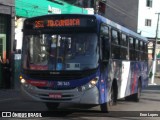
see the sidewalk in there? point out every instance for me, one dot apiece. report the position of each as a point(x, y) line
point(156, 80)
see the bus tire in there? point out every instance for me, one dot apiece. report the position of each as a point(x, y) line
point(135, 97)
point(106, 107)
point(52, 106)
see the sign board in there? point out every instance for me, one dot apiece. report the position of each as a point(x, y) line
point(54, 10)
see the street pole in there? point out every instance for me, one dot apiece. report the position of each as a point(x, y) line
point(155, 57)
point(96, 7)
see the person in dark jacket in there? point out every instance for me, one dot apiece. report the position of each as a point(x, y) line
point(7, 73)
point(1, 70)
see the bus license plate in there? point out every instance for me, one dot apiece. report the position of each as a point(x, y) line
point(55, 95)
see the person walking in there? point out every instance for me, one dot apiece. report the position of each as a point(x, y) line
point(1, 75)
point(7, 74)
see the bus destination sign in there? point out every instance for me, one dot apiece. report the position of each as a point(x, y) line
point(57, 23)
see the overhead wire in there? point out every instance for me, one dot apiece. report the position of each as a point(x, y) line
point(123, 12)
point(119, 10)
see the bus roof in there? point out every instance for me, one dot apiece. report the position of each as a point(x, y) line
point(123, 29)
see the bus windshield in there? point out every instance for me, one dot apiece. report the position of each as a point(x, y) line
point(78, 51)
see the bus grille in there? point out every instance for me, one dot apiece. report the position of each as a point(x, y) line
point(55, 77)
point(49, 88)
point(70, 75)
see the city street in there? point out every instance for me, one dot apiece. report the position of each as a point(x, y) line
point(11, 100)
point(82, 51)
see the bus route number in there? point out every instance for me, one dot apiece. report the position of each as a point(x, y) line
point(39, 24)
point(60, 83)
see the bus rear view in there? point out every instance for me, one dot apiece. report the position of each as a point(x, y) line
point(60, 59)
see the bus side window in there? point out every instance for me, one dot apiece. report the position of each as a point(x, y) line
point(131, 49)
point(115, 37)
point(124, 41)
point(104, 35)
point(146, 50)
point(124, 47)
point(115, 47)
point(137, 52)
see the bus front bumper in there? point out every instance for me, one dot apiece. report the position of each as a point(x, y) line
point(89, 96)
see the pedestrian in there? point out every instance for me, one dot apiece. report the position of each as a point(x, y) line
point(7, 73)
point(1, 75)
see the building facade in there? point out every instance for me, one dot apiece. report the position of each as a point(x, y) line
point(148, 26)
point(147, 17)
point(7, 15)
point(123, 12)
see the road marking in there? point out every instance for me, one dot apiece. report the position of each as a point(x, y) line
point(9, 99)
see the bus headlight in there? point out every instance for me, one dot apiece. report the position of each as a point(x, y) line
point(25, 83)
point(22, 80)
point(94, 81)
point(89, 85)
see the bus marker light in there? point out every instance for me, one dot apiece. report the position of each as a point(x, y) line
point(103, 90)
point(20, 77)
point(102, 81)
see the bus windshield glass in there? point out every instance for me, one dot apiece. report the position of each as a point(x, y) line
point(76, 51)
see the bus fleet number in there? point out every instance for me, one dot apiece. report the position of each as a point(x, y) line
point(63, 83)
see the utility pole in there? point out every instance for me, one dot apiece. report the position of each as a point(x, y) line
point(155, 57)
point(96, 7)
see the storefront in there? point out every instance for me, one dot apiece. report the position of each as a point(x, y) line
point(28, 8)
point(7, 14)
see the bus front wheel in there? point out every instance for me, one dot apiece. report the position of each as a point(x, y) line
point(106, 107)
point(52, 106)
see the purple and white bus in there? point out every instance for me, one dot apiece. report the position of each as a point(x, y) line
point(85, 59)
